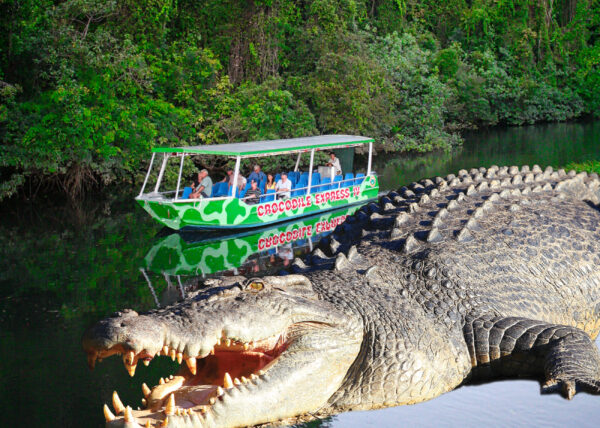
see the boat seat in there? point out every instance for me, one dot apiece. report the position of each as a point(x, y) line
point(336, 182)
point(298, 190)
point(220, 189)
point(359, 178)
point(187, 191)
point(325, 184)
point(269, 197)
point(348, 179)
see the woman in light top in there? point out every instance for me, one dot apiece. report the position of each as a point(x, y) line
point(270, 185)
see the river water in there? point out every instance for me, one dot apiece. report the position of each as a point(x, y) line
point(63, 266)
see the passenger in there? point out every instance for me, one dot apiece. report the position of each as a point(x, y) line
point(253, 194)
point(270, 184)
point(241, 182)
point(229, 177)
point(335, 163)
point(202, 187)
point(283, 187)
point(257, 175)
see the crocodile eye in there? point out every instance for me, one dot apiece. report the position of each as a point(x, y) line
point(256, 286)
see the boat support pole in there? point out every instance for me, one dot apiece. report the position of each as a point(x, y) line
point(162, 171)
point(310, 168)
point(236, 172)
point(179, 177)
point(370, 158)
point(298, 162)
point(147, 175)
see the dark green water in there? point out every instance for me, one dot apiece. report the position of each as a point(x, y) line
point(64, 266)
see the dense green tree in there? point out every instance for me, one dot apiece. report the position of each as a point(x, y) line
point(87, 87)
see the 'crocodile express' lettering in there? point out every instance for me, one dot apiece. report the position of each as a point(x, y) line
point(277, 207)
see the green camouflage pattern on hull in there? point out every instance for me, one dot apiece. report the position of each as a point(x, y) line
point(233, 212)
point(174, 255)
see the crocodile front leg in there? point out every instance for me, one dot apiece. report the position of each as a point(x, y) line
point(564, 357)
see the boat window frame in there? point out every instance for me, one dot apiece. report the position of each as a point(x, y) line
point(232, 192)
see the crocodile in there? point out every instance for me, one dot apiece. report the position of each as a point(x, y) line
point(490, 273)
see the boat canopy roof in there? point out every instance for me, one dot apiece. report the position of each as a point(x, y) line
point(271, 147)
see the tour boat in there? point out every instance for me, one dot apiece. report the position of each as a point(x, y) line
point(229, 208)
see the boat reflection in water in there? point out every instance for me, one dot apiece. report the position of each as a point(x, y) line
point(184, 259)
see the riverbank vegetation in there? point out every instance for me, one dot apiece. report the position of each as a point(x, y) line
point(87, 87)
point(591, 166)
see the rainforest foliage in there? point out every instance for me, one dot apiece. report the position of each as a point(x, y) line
point(88, 87)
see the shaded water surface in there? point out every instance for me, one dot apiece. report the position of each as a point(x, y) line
point(64, 266)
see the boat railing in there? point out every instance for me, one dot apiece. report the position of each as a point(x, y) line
point(269, 196)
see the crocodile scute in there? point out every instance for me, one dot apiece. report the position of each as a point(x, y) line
point(489, 273)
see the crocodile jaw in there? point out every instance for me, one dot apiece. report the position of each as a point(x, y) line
point(244, 369)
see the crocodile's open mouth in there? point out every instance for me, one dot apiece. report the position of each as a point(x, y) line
point(199, 384)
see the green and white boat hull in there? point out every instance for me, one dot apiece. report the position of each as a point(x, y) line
point(228, 213)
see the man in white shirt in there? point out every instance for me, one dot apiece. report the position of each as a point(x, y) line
point(283, 187)
point(335, 163)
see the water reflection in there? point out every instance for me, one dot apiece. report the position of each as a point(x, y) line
point(181, 260)
point(550, 144)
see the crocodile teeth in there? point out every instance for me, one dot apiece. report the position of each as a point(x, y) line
point(220, 391)
point(129, 357)
point(165, 350)
point(148, 424)
point(91, 360)
point(117, 404)
point(161, 381)
point(236, 381)
point(146, 362)
point(227, 382)
point(130, 368)
point(128, 416)
point(179, 357)
point(170, 406)
point(173, 354)
point(165, 423)
point(246, 346)
point(191, 363)
point(108, 414)
point(145, 390)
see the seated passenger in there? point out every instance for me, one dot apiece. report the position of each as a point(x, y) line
point(283, 187)
point(253, 194)
point(257, 175)
point(270, 184)
point(241, 182)
point(335, 163)
point(202, 186)
point(229, 177)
